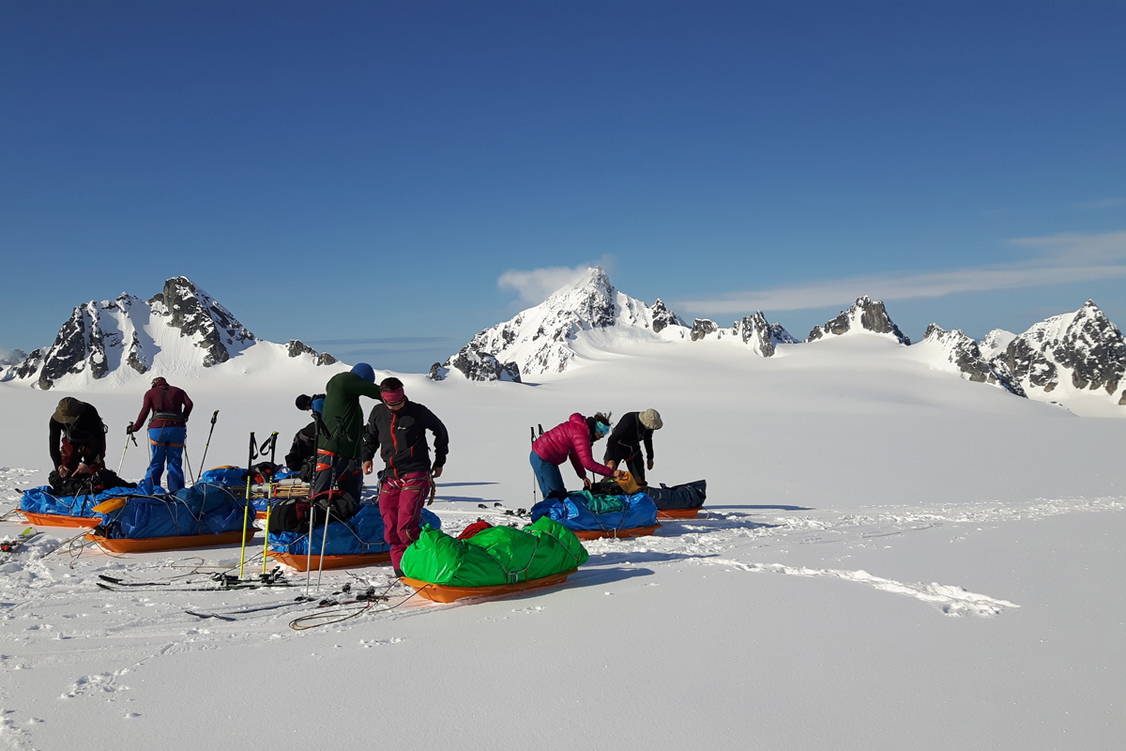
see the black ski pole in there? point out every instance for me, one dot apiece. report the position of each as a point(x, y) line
point(269, 501)
point(534, 478)
point(203, 461)
point(246, 508)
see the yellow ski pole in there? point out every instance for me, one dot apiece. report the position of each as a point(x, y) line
point(269, 501)
point(246, 508)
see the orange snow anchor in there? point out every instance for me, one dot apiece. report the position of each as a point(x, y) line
point(153, 544)
point(678, 513)
point(58, 520)
point(598, 534)
point(445, 593)
point(312, 562)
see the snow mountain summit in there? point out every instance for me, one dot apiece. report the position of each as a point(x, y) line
point(179, 330)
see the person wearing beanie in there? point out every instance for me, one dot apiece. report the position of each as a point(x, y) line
point(77, 438)
point(624, 444)
point(572, 440)
point(397, 428)
point(168, 429)
point(338, 440)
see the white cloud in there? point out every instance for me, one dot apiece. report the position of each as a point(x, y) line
point(533, 286)
point(1064, 258)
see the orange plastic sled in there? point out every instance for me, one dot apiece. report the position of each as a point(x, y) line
point(152, 544)
point(598, 534)
point(311, 562)
point(679, 513)
point(445, 593)
point(58, 520)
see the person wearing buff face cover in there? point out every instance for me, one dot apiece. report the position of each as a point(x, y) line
point(397, 428)
point(569, 440)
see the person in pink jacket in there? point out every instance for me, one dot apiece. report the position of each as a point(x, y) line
point(568, 440)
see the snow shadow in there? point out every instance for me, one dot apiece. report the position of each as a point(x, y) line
point(644, 556)
point(596, 577)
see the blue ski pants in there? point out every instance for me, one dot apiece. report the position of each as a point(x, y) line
point(167, 448)
point(548, 476)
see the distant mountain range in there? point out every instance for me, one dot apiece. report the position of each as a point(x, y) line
point(1054, 360)
point(181, 330)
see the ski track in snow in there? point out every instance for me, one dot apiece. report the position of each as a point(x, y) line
point(47, 595)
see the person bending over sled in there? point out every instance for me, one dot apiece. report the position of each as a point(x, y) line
point(339, 436)
point(397, 427)
point(569, 440)
point(624, 443)
point(168, 429)
point(77, 438)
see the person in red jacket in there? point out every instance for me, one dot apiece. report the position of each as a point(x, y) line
point(569, 440)
point(168, 429)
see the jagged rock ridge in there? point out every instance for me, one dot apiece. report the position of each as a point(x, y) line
point(962, 353)
point(865, 314)
point(1081, 349)
point(103, 336)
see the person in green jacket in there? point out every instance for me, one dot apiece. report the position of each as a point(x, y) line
point(340, 436)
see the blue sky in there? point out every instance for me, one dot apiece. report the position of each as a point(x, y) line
point(361, 175)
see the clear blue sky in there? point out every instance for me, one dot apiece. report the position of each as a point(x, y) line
point(365, 172)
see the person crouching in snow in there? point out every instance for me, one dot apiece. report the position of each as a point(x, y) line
point(77, 438)
point(569, 440)
point(168, 429)
point(397, 427)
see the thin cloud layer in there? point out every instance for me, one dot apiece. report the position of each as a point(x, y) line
point(533, 286)
point(1065, 258)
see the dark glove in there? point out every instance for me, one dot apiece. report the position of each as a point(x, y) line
point(129, 429)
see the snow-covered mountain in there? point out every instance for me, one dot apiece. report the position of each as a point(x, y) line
point(589, 315)
point(1068, 355)
point(865, 314)
point(955, 352)
point(179, 330)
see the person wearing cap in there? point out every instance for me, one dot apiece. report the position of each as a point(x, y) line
point(572, 440)
point(397, 428)
point(303, 448)
point(624, 443)
point(168, 429)
point(339, 439)
point(77, 438)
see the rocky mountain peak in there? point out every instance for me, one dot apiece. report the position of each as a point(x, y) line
point(103, 336)
point(865, 314)
point(1083, 349)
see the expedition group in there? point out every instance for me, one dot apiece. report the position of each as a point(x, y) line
point(338, 447)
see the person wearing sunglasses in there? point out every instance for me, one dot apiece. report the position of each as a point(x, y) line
point(572, 440)
point(397, 428)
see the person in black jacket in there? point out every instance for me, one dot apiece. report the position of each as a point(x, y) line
point(624, 444)
point(397, 427)
point(302, 451)
point(77, 438)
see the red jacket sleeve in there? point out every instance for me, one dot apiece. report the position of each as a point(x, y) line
point(187, 404)
point(146, 407)
point(581, 457)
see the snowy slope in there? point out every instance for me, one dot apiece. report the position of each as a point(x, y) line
point(954, 352)
point(894, 558)
point(178, 333)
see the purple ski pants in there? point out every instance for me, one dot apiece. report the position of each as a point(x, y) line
point(400, 504)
